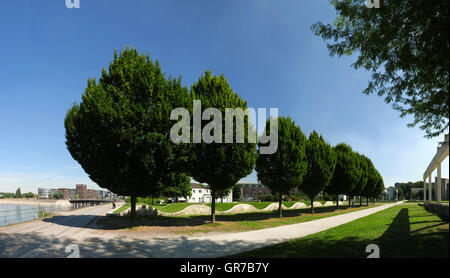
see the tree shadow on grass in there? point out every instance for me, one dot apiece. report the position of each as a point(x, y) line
point(122, 222)
point(398, 241)
point(36, 245)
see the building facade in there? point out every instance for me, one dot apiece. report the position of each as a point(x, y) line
point(80, 191)
point(202, 194)
point(251, 191)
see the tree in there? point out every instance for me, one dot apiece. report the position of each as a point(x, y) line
point(405, 45)
point(372, 180)
point(220, 165)
point(283, 170)
point(176, 185)
point(119, 133)
point(237, 192)
point(362, 183)
point(18, 193)
point(379, 186)
point(58, 195)
point(321, 164)
point(347, 172)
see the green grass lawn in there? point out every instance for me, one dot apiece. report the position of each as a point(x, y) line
point(175, 207)
point(122, 208)
point(403, 231)
point(233, 222)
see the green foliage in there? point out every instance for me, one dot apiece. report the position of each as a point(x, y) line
point(220, 165)
point(119, 133)
point(28, 195)
point(321, 164)
point(283, 170)
point(58, 195)
point(18, 193)
point(237, 192)
point(405, 45)
point(179, 186)
point(347, 173)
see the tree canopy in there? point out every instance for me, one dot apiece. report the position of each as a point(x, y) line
point(220, 165)
point(405, 44)
point(347, 172)
point(321, 164)
point(284, 170)
point(119, 133)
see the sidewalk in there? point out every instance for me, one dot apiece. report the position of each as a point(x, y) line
point(51, 244)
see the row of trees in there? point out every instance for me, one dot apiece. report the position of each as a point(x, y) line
point(17, 194)
point(313, 166)
point(120, 135)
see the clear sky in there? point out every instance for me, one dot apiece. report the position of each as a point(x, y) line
point(265, 48)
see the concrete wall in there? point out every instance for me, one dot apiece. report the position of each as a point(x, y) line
point(441, 210)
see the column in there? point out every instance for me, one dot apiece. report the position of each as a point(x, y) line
point(438, 183)
point(424, 190)
point(430, 197)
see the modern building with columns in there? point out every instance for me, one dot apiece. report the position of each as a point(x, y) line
point(441, 154)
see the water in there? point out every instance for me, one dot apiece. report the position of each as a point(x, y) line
point(13, 214)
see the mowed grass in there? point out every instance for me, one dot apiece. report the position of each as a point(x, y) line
point(176, 207)
point(122, 208)
point(403, 231)
point(238, 222)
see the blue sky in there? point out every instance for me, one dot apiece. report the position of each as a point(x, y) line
point(265, 48)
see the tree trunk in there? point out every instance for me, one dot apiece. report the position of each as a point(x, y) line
point(280, 202)
point(213, 206)
point(312, 205)
point(133, 210)
point(367, 201)
point(349, 201)
point(360, 201)
point(337, 201)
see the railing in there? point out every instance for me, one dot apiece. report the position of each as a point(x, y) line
point(10, 217)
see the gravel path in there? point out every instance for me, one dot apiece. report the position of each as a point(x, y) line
point(49, 238)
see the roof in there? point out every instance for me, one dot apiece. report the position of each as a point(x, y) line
point(198, 186)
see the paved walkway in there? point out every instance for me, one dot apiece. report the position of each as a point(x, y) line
point(26, 241)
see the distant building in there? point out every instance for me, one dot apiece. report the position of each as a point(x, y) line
point(202, 194)
point(67, 193)
point(251, 191)
point(46, 193)
point(79, 191)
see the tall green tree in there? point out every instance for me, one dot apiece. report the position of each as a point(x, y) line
point(379, 186)
point(119, 133)
point(347, 172)
point(18, 193)
point(283, 170)
point(219, 164)
point(321, 164)
point(405, 44)
point(372, 179)
point(237, 192)
point(362, 182)
point(176, 185)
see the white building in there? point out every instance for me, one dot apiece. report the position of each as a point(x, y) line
point(202, 194)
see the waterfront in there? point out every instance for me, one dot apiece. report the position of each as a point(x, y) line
point(17, 213)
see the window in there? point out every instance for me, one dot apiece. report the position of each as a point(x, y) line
point(193, 199)
point(193, 190)
point(200, 191)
